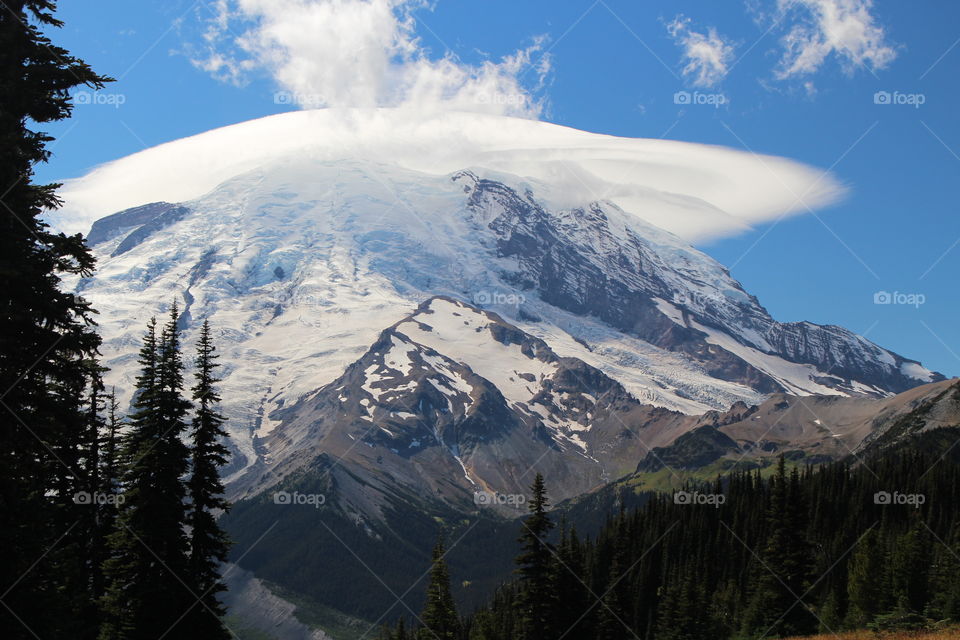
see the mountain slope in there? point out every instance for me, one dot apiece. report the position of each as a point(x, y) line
point(811, 429)
point(452, 401)
point(301, 263)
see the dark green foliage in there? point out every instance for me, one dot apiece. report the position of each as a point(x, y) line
point(801, 552)
point(208, 543)
point(945, 579)
point(865, 592)
point(569, 584)
point(47, 346)
point(105, 486)
point(782, 573)
point(535, 567)
point(439, 617)
point(148, 567)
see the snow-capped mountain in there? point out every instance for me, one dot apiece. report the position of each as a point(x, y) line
point(301, 263)
point(453, 400)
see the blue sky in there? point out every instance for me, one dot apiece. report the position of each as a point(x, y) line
point(615, 67)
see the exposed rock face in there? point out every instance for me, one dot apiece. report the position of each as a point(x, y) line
point(814, 428)
point(135, 225)
point(588, 262)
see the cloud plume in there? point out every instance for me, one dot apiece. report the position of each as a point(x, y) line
point(362, 53)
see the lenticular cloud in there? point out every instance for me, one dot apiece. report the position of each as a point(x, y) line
point(696, 191)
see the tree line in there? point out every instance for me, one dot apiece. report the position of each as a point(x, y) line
point(109, 524)
point(813, 550)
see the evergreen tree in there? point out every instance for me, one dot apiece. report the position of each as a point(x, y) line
point(831, 616)
point(401, 633)
point(147, 593)
point(97, 522)
point(864, 582)
point(439, 615)
point(945, 580)
point(208, 542)
point(697, 585)
point(685, 614)
point(784, 570)
point(537, 602)
point(45, 336)
point(572, 597)
point(110, 463)
point(108, 489)
point(613, 614)
point(909, 569)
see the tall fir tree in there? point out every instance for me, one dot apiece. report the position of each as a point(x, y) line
point(945, 579)
point(613, 612)
point(439, 617)
point(148, 592)
point(110, 462)
point(786, 560)
point(537, 597)
point(209, 544)
point(96, 523)
point(865, 582)
point(909, 569)
point(573, 600)
point(45, 333)
point(108, 489)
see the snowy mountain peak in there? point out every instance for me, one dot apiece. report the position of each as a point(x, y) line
point(300, 263)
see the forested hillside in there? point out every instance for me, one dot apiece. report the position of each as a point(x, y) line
point(871, 544)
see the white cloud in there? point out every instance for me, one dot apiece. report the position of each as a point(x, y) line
point(707, 56)
point(361, 53)
point(697, 191)
point(845, 28)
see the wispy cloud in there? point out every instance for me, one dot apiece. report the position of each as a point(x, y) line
point(845, 28)
point(361, 53)
point(706, 56)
